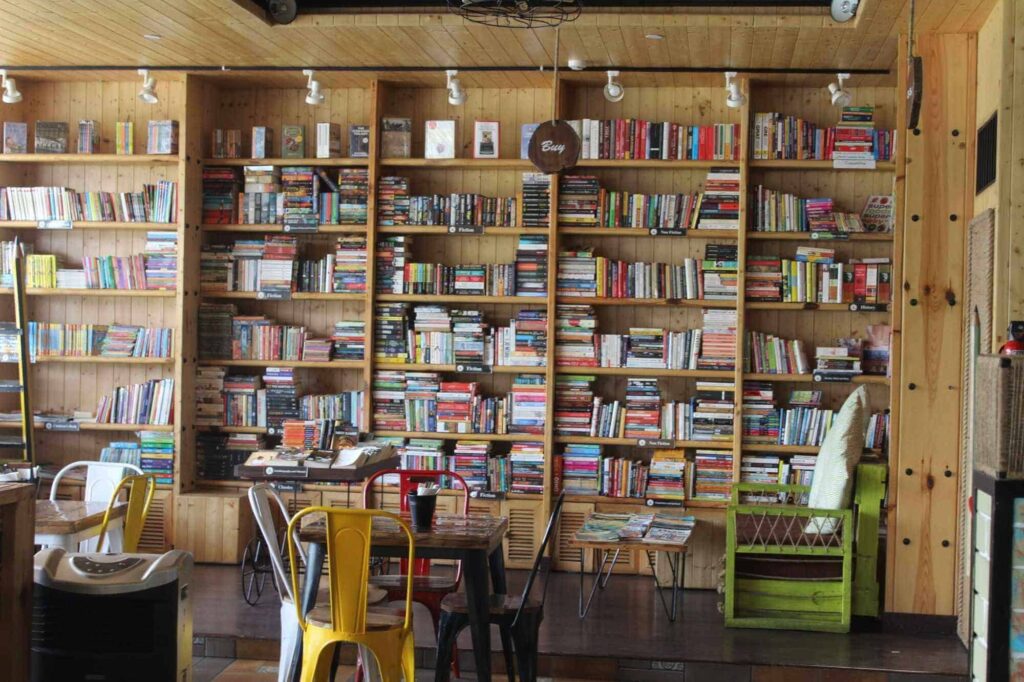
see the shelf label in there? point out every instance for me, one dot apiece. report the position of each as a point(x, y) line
point(63, 426)
point(465, 229)
point(287, 486)
point(663, 503)
point(668, 231)
point(301, 228)
point(654, 443)
point(829, 377)
point(272, 431)
point(473, 368)
point(853, 163)
point(54, 224)
point(488, 494)
point(274, 295)
point(823, 235)
point(858, 307)
point(288, 472)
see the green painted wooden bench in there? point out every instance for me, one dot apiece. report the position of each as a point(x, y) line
point(779, 576)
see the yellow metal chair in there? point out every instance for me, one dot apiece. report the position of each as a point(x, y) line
point(347, 619)
point(140, 496)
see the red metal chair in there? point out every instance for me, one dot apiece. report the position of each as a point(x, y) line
point(427, 589)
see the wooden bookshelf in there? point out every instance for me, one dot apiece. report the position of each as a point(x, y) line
point(277, 161)
point(818, 165)
point(443, 229)
point(617, 232)
point(90, 225)
point(645, 372)
point(93, 426)
point(94, 159)
point(265, 228)
point(461, 164)
point(806, 236)
point(298, 364)
point(119, 293)
point(490, 369)
point(103, 360)
point(295, 296)
point(463, 299)
point(808, 307)
point(632, 302)
point(494, 437)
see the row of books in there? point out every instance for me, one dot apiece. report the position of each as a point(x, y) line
point(777, 136)
point(227, 143)
point(54, 339)
point(456, 210)
point(818, 279)
point(156, 203)
point(434, 335)
point(422, 401)
point(154, 455)
point(770, 354)
point(632, 138)
point(151, 402)
point(584, 274)
point(779, 211)
point(267, 401)
point(670, 475)
point(770, 469)
point(99, 272)
point(51, 137)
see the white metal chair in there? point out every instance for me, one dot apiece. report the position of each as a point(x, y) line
point(101, 479)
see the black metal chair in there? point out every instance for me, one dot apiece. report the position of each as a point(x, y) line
point(518, 617)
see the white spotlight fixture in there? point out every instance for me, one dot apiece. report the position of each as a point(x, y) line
point(313, 96)
point(735, 99)
point(148, 92)
point(843, 10)
point(840, 97)
point(456, 95)
point(577, 64)
point(11, 93)
point(613, 90)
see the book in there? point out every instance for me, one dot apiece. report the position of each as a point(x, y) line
point(879, 213)
point(328, 140)
point(262, 142)
point(486, 141)
point(359, 141)
point(51, 137)
point(124, 142)
point(439, 140)
point(525, 135)
point(15, 137)
point(293, 142)
point(88, 136)
point(396, 137)
point(162, 137)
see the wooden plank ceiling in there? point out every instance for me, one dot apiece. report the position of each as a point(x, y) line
point(219, 32)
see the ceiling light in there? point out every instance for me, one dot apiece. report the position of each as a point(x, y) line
point(654, 36)
point(152, 36)
point(613, 91)
point(456, 95)
point(844, 10)
point(314, 96)
point(148, 92)
point(840, 97)
point(577, 64)
point(11, 93)
point(735, 100)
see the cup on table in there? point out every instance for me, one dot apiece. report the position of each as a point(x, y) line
point(421, 510)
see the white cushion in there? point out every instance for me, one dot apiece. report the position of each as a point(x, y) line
point(834, 470)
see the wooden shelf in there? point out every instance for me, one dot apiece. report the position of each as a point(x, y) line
point(809, 378)
point(278, 227)
point(647, 372)
point(815, 164)
point(102, 360)
point(434, 298)
point(127, 293)
point(296, 296)
point(478, 164)
point(143, 159)
point(642, 502)
point(331, 364)
point(231, 429)
point(794, 449)
point(93, 426)
point(808, 307)
point(496, 437)
point(675, 302)
point(90, 225)
point(643, 232)
point(443, 229)
point(598, 440)
point(806, 237)
point(278, 161)
point(657, 164)
point(423, 367)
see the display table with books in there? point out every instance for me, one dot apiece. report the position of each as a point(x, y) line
point(607, 535)
point(344, 465)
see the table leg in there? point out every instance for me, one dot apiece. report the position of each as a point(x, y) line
point(497, 565)
point(600, 580)
point(314, 566)
point(474, 574)
point(676, 566)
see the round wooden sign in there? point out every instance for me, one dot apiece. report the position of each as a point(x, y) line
point(554, 146)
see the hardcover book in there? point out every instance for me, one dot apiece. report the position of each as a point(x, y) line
point(51, 137)
point(262, 142)
point(359, 141)
point(396, 138)
point(88, 136)
point(293, 142)
point(439, 142)
point(15, 137)
point(524, 139)
point(486, 141)
point(328, 140)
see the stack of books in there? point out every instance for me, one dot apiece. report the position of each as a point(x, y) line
point(350, 263)
point(875, 352)
point(161, 258)
point(638, 139)
point(719, 272)
point(855, 134)
point(280, 396)
point(240, 400)
point(712, 475)
point(841, 360)
point(393, 201)
point(776, 136)
point(423, 453)
point(217, 455)
point(276, 270)
point(388, 400)
point(470, 460)
point(422, 409)
point(760, 417)
point(531, 277)
point(666, 476)
point(527, 404)
point(215, 330)
point(349, 340)
point(770, 354)
point(579, 201)
point(392, 255)
point(527, 463)
point(574, 405)
point(456, 403)
point(157, 455)
point(525, 343)
point(624, 477)
point(220, 192)
point(536, 200)
point(301, 188)
point(712, 408)
point(262, 200)
point(720, 200)
point(762, 469)
point(352, 198)
point(718, 341)
point(390, 325)
point(575, 342)
point(210, 396)
point(764, 278)
point(581, 469)
point(643, 408)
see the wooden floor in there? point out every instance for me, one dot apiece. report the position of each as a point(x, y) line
point(626, 636)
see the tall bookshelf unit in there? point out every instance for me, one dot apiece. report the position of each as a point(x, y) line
point(208, 512)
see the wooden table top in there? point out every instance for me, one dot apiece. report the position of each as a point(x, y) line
point(451, 536)
point(65, 517)
point(11, 493)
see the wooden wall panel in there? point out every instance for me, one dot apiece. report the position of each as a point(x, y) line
point(936, 210)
